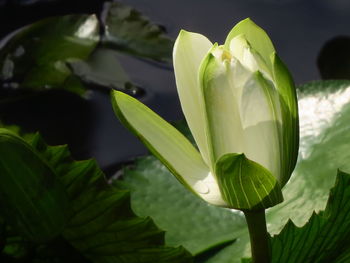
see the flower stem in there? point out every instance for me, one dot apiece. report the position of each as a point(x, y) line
point(259, 238)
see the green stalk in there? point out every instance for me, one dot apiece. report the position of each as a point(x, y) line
point(259, 238)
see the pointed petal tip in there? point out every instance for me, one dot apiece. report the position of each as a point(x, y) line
point(180, 41)
point(273, 56)
point(247, 21)
point(117, 96)
point(115, 92)
point(244, 22)
point(186, 39)
point(182, 34)
point(185, 35)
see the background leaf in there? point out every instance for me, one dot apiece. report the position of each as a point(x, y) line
point(129, 31)
point(35, 56)
point(103, 70)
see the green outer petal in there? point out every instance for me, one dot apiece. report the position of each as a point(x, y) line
point(189, 51)
point(255, 35)
point(289, 105)
point(169, 146)
point(245, 184)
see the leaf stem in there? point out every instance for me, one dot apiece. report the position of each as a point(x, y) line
point(259, 238)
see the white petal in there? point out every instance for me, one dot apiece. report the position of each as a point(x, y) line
point(189, 51)
point(261, 124)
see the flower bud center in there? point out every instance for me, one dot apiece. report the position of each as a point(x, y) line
point(226, 55)
point(222, 54)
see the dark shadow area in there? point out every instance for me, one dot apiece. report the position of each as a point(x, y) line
point(202, 257)
point(334, 58)
point(61, 117)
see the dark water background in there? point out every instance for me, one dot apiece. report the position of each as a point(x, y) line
point(298, 28)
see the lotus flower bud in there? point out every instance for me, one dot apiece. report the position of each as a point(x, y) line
point(240, 103)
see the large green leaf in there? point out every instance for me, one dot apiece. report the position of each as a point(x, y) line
point(324, 238)
point(101, 224)
point(32, 198)
point(324, 109)
point(188, 220)
point(128, 30)
point(71, 209)
point(35, 57)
